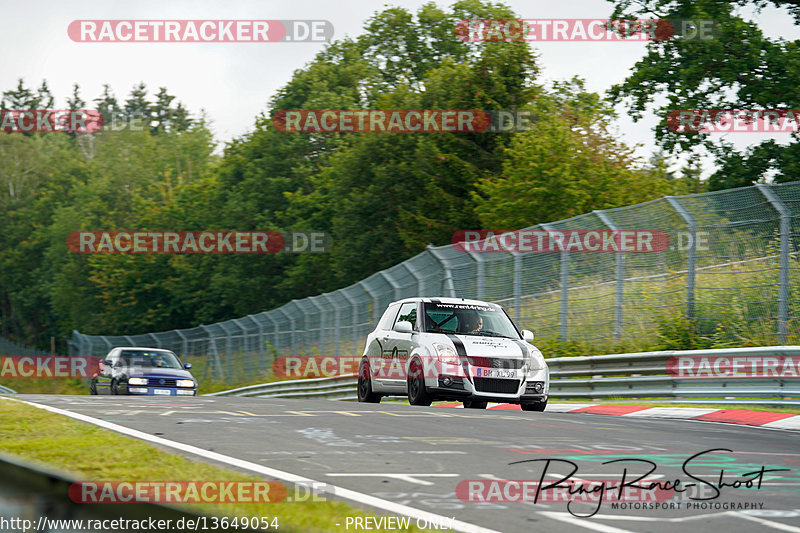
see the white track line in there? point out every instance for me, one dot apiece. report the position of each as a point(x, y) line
point(347, 494)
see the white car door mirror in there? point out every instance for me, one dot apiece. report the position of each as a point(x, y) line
point(527, 335)
point(403, 327)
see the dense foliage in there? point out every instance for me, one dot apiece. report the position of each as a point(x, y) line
point(382, 196)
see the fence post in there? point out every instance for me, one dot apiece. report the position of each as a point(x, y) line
point(261, 347)
point(244, 345)
point(691, 256)
point(448, 273)
point(333, 306)
point(517, 287)
point(185, 344)
point(322, 317)
point(619, 296)
point(563, 313)
point(291, 328)
point(783, 274)
point(228, 349)
point(480, 278)
point(354, 307)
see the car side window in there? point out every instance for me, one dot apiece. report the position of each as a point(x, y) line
point(408, 313)
point(388, 317)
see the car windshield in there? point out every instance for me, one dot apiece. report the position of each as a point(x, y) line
point(150, 359)
point(468, 319)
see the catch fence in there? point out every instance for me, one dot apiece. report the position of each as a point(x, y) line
point(730, 267)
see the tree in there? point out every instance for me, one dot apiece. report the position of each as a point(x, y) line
point(740, 68)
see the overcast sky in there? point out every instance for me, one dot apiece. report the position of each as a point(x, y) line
point(234, 81)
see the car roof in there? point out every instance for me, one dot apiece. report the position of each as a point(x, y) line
point(449, 300)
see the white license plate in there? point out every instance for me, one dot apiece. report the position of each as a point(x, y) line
point(495, 373)
point(162, 392)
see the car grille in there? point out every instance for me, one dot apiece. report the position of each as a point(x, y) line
point(502, 386)
point(168, 382)
point(495, 362)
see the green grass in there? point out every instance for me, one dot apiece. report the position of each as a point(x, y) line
point(92, 453)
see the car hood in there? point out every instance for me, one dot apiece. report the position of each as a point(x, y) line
point(490, 346)
point(163, 373)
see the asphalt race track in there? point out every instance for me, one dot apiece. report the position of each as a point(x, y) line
point(416, 456)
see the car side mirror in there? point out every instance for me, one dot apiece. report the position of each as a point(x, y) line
point(527, 335)
point(108, 362)
point(403, 327)
point(187, 366)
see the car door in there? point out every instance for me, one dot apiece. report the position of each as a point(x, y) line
point(397, 347)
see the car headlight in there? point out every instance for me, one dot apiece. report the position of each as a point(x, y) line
point(137, 381)
point(535, 359)
point(185, 383)
point(445, 353)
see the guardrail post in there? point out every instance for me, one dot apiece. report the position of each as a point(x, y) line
point(691, 256)
point(783, 274)
point(480, 271)
point(261, 341)
point(564, 312)
point(413, 271)
point(448, 272)
point(619, 296)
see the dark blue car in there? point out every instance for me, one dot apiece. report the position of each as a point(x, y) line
point(143, 371)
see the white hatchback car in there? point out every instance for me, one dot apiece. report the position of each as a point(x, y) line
point(452, 349)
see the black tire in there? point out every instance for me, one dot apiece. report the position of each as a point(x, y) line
point(114, 388)
point(475, 404)
point(365, 393)
point(417, 394)
point(93, 387)
point(536, 406)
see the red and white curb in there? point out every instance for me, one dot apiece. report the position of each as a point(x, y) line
point(767, 419)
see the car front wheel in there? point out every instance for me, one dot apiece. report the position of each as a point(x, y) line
point(93, 387)
point(365, 393)
point(417, 394)
point(535, 406)
point(114, 388)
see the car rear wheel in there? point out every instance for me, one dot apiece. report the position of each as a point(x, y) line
point(475, 404)
point(365, 393)
point(535, 406)
point(417, 394)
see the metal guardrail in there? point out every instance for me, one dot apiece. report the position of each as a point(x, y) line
point(333, 388)
point(644, 375)
point(635, 375)
point(38, 492)
point(6, 390)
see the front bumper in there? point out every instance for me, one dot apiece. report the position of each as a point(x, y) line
point(534, 388)
point(146, 390)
